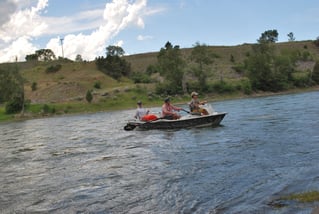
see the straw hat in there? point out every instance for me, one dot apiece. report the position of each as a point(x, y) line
point(194, 94)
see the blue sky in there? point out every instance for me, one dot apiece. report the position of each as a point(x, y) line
point(139, 26)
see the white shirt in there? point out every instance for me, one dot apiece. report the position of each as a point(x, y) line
point(140, 112)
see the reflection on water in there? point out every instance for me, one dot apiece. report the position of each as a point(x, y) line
point(81, 164)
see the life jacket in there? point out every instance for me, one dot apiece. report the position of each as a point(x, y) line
point(149, 117)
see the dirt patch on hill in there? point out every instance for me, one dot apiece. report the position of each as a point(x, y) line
point(305, 65)
point(57, 92)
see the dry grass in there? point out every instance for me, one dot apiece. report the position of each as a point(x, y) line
point(75, 78)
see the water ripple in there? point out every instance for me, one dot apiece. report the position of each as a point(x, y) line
point(88, 164)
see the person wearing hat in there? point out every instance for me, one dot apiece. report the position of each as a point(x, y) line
point(140, 111)
point(168, 110)
point(194, 105)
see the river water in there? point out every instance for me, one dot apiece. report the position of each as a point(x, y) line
point(265, 147)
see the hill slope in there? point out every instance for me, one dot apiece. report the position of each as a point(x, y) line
point(223, 63)
point(72, 81)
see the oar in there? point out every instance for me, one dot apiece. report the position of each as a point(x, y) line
point(185, 111)
point(192, 113)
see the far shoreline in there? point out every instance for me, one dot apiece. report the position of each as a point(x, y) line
point(209, 98)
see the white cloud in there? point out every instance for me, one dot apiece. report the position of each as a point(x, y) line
point(119, 43)
point(27, 22)
point(152, 11)
point(81, 21)
point(142, 38)
point(18, 29)
point(117, 15)
point(7, 7)
point(17, 50)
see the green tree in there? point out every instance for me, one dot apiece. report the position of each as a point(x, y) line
point(268, 36)
point(41, 55)
point(282, 71)
point(267, 70)
point(78, 58)
point(113, 50)
point(45, 55)
point(15, 105)
point(203, 57)
point(315, 73)
point(89, 96)
point(258, 67)
point(34, 86)
point(291, 37)
point(11, 88)
point(113, 64)
point(171, 65)
point(31, 57)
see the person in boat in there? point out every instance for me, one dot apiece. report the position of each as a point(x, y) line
point(168, 110)
point(140, 111)
point(194, 105)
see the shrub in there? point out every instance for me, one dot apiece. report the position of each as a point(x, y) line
point(193, 86)
point(162, 88)
point(139, 77)
point(168, 89)
point(89, 96)
point(232, 58)
point(34, 86)
point(139, 89)
point(223, 87)
point(240, 68)
point(301, 81)
point(151, 69)
point(14, 106)
point(53, 68)
point(306, 55)
point(45, 109)
point(97, 85)
point(315, 73)
point(246, 86)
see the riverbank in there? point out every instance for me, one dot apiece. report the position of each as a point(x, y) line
point(38, 110)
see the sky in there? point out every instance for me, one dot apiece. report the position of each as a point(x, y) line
point(87, 27)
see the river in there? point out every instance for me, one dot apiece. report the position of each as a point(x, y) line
point(264, 148)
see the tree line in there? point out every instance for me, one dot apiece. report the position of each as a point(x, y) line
point(271, 70)
point(265, 68)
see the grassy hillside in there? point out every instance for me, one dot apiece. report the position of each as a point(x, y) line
point(65, 89)
point(68, 84)
point(75, 78)
point(223, 64)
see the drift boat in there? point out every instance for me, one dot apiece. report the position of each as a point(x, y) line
point(213, 119)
